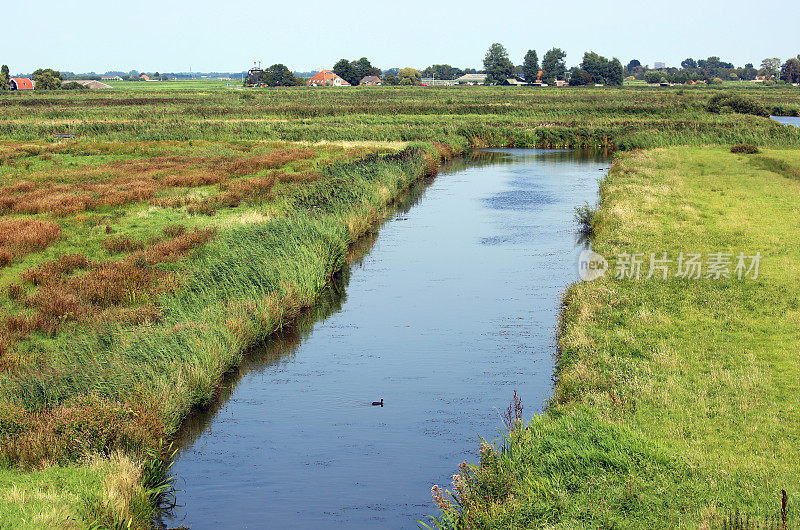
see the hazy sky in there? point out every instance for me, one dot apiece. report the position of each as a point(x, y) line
point(215, 35)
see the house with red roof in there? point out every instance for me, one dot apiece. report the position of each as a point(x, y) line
point(327, 78)
point(20, 83)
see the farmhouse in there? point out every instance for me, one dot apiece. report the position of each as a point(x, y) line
point(20, 83)
point(88, 83)
point(327, 78)
point(111, 78)
point(472, 79)
point(371, 80)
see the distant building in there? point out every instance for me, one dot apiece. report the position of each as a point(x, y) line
point(144, 77)
point(659, 65)
point(111, 78)
point(513, 82)
point(561, 82)
point(90, 84)
point(20, 83)
point(326, 78)
point(472, 79)
point(429, 81)
point(371, 80)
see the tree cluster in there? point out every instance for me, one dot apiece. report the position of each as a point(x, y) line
point(596, 69)
point(790, 71)
point(442, 71)
point(354, 71)
point(275, 75)
point(498, 67)
point(47, 79)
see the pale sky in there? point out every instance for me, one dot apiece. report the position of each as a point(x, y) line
point(215, 35)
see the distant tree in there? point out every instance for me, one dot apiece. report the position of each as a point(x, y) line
point(497, 64)
point(614, 72)
point(748, 73)
point(770, 66)
point(345, 69)
point(47, 79)
point(579, 77)
point(390, 79)
point(363, 68)
point(601, 70)
point(4, 77)
point(278, 75)
point(652, 77)
point(530, 66)
point(790, 71)
point(409, 76)
point(441, 71)
point(689, 64)
point(553, 65)
point(469, 71)
point(633, 64)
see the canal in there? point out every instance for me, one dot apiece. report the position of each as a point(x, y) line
point(443, 313)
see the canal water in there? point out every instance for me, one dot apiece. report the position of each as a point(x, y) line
point(443, 314)
point(787, 120)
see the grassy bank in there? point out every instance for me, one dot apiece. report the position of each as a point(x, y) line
point(676, 399)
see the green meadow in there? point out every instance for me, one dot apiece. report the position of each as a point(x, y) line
point(186, 221)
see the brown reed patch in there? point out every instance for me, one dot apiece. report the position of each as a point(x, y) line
point(19, 237)
point(126, 181)
point(120, 244)
point(74, 289)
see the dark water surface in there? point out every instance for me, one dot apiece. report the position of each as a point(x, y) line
point(787, 120)
point(449, 309)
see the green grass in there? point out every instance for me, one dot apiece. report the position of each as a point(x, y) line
point(676, 400)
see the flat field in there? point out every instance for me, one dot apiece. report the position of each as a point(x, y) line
point(185, 221)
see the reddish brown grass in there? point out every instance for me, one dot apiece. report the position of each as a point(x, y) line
point(121, 290)
point(120, 244)
point(126, 181)
point(19, 237)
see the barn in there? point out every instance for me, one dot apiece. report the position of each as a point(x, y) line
point(20, 83)
point(327, 78)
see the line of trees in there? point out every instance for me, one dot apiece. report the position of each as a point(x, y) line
point(593, 69)
point(498, 67)
point(715, 70)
